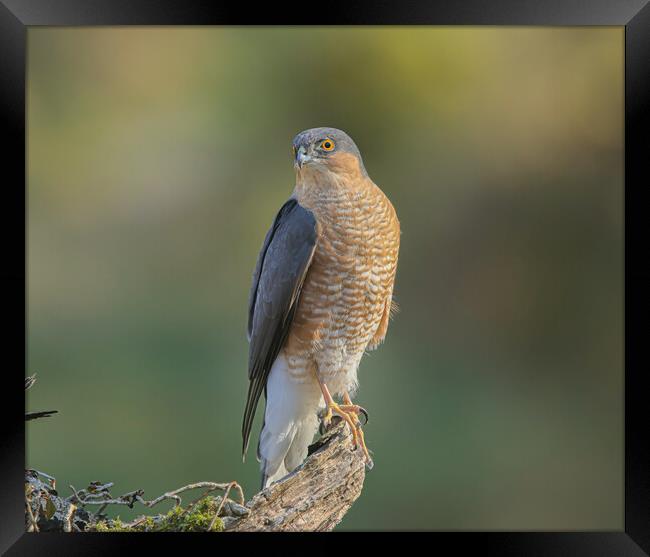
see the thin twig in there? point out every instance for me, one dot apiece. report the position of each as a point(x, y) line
point(175, 494)
point(42, 414)
point(99, 494)
point(33, 522)
point(51, 479)
point(67, 518)
point(223, 500)
point(29, 381)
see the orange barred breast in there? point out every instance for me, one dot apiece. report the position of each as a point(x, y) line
point(346, 298)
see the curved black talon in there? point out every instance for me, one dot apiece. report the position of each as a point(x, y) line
point(365, 414)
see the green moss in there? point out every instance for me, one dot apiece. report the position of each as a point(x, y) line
point(114, 525)
point(197, 519)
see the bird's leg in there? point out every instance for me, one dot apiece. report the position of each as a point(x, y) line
point(332, 407)
point(348, 412)
point(356, 410)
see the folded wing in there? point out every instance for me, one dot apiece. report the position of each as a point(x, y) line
point(280, 272)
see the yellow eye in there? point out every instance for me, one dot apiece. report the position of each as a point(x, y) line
point(327, 145)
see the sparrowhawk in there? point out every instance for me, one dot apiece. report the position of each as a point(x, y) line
point(321, 296)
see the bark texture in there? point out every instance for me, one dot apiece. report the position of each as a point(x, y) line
point(315, 496)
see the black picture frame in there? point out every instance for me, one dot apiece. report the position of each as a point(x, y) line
point(17, 15)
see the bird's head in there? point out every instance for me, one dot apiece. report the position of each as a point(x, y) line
point(326, 150)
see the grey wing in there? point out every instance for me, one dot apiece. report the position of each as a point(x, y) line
point(281, 268)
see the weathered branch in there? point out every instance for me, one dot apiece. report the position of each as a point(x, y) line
point(315, 496)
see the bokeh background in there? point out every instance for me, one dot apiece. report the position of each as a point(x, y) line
point(157, 158)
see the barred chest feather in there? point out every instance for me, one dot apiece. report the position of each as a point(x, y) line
point(346, 298)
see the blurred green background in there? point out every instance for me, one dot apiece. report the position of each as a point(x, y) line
point(157, 158)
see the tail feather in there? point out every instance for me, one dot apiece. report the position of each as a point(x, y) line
point(290, 422)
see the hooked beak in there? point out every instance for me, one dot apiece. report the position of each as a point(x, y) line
point(302, 157)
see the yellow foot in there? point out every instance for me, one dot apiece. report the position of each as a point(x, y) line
point(350, 414)
point(356, 409)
